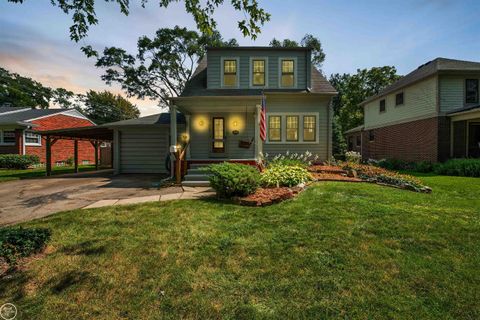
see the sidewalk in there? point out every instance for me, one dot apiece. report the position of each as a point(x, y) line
point(187, 193)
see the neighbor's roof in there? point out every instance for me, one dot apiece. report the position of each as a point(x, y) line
point(356, 129)
point(197, 86)
point(428, 69)
point(11, 109)
point(260, 48)
point(26, 115)
point(154, 119)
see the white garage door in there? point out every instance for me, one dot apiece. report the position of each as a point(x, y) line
point(143, 150)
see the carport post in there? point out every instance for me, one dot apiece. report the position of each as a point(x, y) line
point(75, 155)
point(48, 158)
point(95, 145)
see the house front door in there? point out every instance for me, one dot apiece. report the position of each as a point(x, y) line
point(218, 135)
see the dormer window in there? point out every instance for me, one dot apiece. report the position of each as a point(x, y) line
point(229, 73)
point(258, 72)
point(287, 73)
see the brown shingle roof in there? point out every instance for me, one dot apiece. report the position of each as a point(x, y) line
point(425, 70)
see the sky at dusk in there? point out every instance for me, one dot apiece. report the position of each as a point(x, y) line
point(34, 38)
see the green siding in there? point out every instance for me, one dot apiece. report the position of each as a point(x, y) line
point(452, 91)
point(420, 101)
point(214, 67)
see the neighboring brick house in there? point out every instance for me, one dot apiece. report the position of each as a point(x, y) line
point(431, 114)
point(20, 133)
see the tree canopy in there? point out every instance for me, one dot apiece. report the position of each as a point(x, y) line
point(309, 41)
point(104, 107)
point(162, 65)
point(83, 14)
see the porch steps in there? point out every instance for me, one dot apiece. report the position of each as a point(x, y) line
point(196, 176)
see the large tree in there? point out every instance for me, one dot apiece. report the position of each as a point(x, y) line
point(83, 14)
point(309, 41)
point(162, 65)
point(352, 90)
point(103, 107)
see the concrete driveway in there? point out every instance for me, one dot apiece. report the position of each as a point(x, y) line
point(28, 199)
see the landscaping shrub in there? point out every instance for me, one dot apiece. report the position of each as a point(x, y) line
point(19, 242)
point(459, 167)
point(395, 164)
point(16, 161)
point(352, 156)
point(380, 175)
point(423, 166)
point(291, 159)
point(284, 176)
point(233, 179)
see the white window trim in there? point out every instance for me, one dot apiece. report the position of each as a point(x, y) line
point(1, 138)
point(283, 131)
point(295, 72)
point(222, 59)
point(30, 143)
point(250, 72)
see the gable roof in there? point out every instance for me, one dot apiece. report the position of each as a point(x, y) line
point(197, 86)
point(426, 70)
point(154, 119)
point(23, 116)
point(11, 109)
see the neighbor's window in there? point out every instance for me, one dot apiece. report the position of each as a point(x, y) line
point(309, 127)
point(32, 138)
point(292, 128)
point(399, 99)
point(371, 135)
point(274, 128)
point(471, 91)
point(382, 105)
point(230, 73)
point(258, 70)
point(359, 141)
point(9, 137)
point(288, 73)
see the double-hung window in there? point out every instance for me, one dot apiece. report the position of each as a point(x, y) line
point(229, 73)
point(471, 91)
point(399, 99)
point(7, 137)
point(382, 105)
point(33, 139)
point(309, 128)
point(287, 73)
point(274, 128)
point(292, 128)
point(258, 72)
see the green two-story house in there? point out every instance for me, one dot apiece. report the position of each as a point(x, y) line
point(217, 117)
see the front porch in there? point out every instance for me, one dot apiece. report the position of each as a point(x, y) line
point(218, 129)
point(465, 133)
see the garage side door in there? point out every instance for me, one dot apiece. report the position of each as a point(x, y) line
point(143, 150)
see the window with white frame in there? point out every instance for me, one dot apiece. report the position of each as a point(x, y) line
point(287, 76)
point(258, 72)
point(7, 137)
point(292, 128)
point(32, 139)
point(230, 73)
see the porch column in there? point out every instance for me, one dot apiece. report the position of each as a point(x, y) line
point(258, 141)
point(48, 157)
point(187, 130)
point(173, 125)
point(95, 145)
point(116, 151)
point(75, 155)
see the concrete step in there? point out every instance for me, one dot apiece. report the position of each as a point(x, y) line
point(197, 171)
point(196, 177)
point(195, 183)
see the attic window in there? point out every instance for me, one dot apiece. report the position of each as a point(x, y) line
point(230, 73)
point(399, 99)
point(471, 91)
point(382, 105)
point(288, 73)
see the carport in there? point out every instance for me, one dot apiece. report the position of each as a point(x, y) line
point(95, 135)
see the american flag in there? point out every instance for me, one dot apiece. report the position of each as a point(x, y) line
point(263, 120)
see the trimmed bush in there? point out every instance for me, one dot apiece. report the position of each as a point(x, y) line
point(352, 156)
point(16, 161)
point(395, 164)
point(459, 167)
point(233, 179)
point(423, 166)
point(19, 242)
point(284, 176)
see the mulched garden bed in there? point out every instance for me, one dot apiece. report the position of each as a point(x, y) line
point(334, 177)
point(268, 196)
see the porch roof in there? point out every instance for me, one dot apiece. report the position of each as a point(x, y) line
point(463, 110)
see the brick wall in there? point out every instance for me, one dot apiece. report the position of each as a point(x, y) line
point(62, 149)
point(411, 141)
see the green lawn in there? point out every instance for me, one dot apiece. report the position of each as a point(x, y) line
point(339, 250)
point(8, 175)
